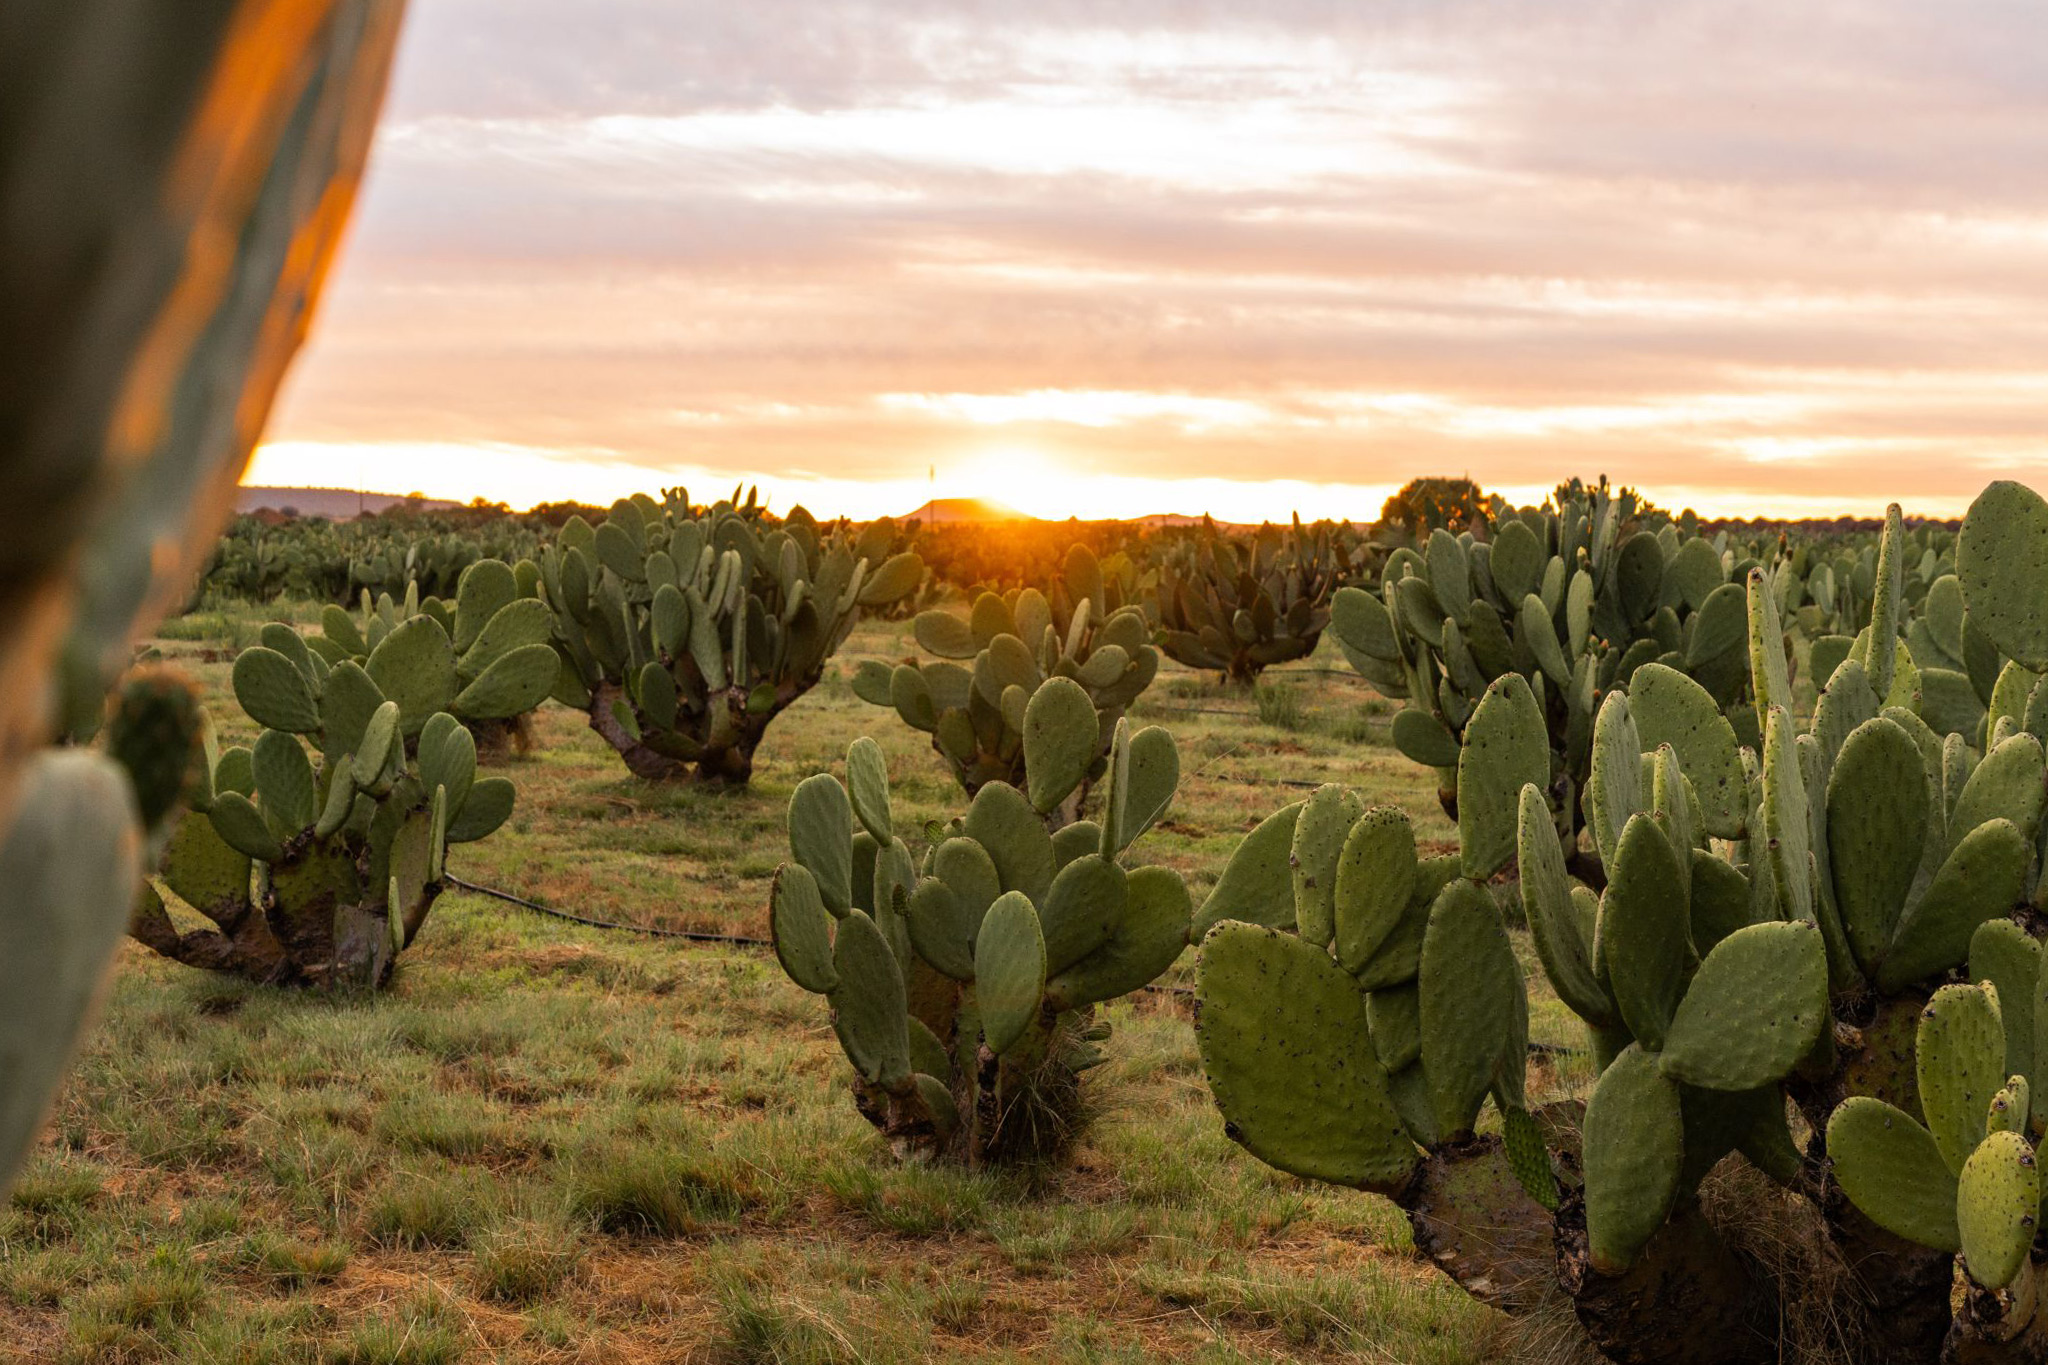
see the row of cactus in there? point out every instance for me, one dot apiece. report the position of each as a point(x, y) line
point(963, 978)
point(261, 560)
point(319, 868)
point(685, 632)
point(1238, 607)
point(1769, 923)
point(1076, 658)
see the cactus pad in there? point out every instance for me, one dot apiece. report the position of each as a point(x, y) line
point(801, 927)
point(1643, 930)
point(1634, 1147)
point(1998, 1204)
point(1375, 879)
point(1256, 885)
point(1288, 1052)
point(821, 838)
point(1892, 1170)
point(1960, 1062)
point(1009, 971)
point(2002, 560)
point(1756, 1006)
point(1061, 740)
point(1505, 749)
point(1470, 994)
point(1319, 835)
point(1668, 707)
point(869, 1010)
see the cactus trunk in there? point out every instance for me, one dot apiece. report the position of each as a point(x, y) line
point(1688, 1299)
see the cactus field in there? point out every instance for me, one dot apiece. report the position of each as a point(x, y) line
point(551, 1143)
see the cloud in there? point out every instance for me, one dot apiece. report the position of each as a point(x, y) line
point(1764, 251)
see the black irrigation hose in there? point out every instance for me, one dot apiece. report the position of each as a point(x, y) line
point(694, 936)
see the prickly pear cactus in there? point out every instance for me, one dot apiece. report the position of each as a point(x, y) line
point(963, 978)
point(1239, 607)
point(685, 631)
point(1576, 597)
point(499, 634)
point(317, 852)
point(1026, 674)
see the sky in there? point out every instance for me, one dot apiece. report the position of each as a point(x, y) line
point(1117, 257)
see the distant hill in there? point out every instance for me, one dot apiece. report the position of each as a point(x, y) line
point(940, 511)
point(336, 504)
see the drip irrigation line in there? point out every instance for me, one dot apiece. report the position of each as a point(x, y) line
point(744, 941)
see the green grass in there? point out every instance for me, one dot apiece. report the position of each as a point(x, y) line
point(552, 1144)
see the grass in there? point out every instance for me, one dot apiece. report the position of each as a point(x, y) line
point(554, 1144)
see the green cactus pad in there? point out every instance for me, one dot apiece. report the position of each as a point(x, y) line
point(1154, 778)
point(1756, 1006)
point(1470, 987)
point(1787, 819)
point(929, 1056)
point(1534, 630)
point(284, 783)
point(1984, 877)
point(1529, 1158)
point(1876, 822)
point(237, 821)
point(867, 787)
point(1077, 840)
point(802, 929)
point(1288, 1052)
point(1375, 879)
point(1006, 825)
point(1256, 885)
point(347, 703)
point(1080, 910)
point(2002, 560)
point(1505, 749)
point(415, 666)
point(1634, 1151)
point(517, 625)
point(869, 1010)
point(2010, 958)
point(382, 738)
point(2009, 1107)
point(2008, 784)
point(1061, 739)
point(1770, 680)
point(1395, 1014)
point(1643, 920)
point(965, 867)
point(1960, 1064)
point(1422, 738)
point(447, 758)
point(1668, 707)
point(1148, 937)
point(204, 870)
point(1893, 1171)
point(942, 928)
point(512, 685)
point(488, 807)
point(1720, 899)
point(70, 868)
point(1009, 971)
point(274, 692)
point(821, 837)
point(1566, 956)
point(1998, 1204)
point(1326, 818)
point(1361, 623)
point(1614, 791)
